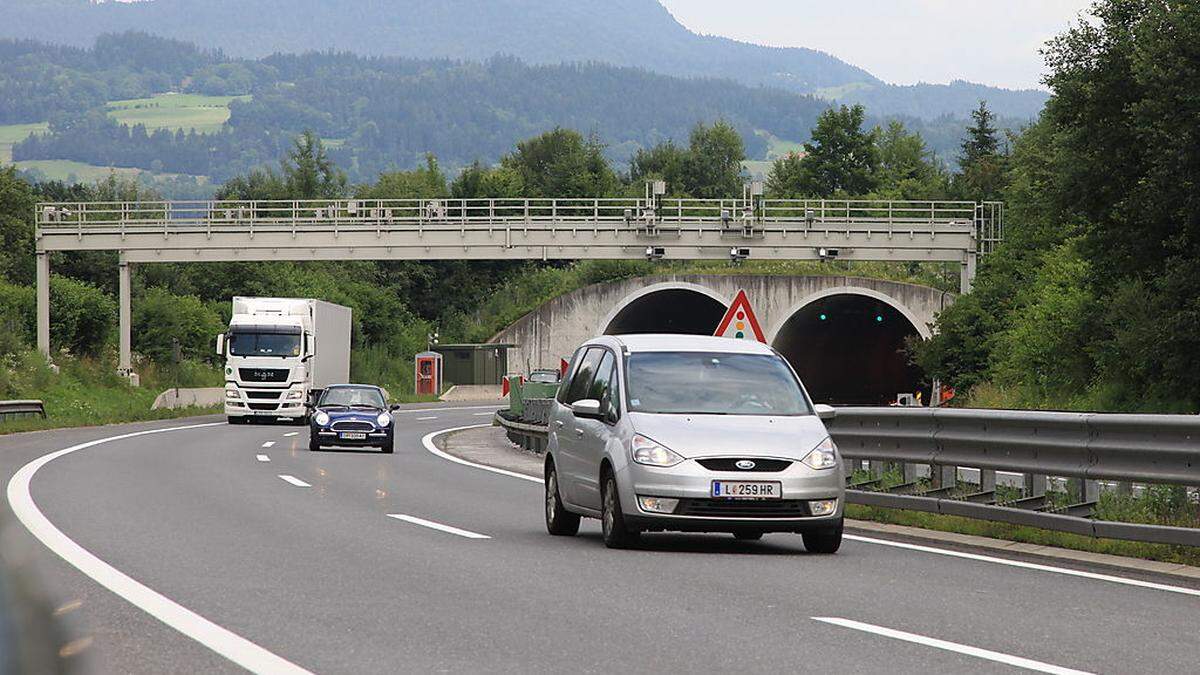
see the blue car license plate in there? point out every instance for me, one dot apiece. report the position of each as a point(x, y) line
point(352, 436)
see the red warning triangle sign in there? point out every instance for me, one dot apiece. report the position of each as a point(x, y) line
point(740, 322)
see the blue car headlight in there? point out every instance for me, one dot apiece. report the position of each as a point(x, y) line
point(384, 419)
point(321, 418)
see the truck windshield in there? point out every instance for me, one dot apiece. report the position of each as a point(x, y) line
point(264, 344)
point(713, 384)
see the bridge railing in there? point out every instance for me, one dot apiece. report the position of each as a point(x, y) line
point(601, 213)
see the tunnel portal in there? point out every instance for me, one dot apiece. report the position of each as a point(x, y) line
point(850, 350)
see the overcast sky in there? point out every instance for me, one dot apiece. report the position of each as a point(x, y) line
point(901, 41)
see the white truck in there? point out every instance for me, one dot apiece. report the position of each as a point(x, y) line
point(279, 351)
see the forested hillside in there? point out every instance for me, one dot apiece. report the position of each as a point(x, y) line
point(638, 33)
point(375, 114)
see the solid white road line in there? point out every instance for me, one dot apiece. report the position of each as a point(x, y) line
point(998, 657)
point(432, 417)
point(220, 640)
point(1029, 565)
point(293, 480)
point(268, 444)
point(482, 414)
point(291, 433)
point(262, 458)
point(437, 526)
point(427, 441)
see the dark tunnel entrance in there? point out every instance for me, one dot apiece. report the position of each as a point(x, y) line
point(674, 310)
point(849, 350)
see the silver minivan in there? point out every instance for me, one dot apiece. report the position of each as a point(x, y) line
point(690, 433)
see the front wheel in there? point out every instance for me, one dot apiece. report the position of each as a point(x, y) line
point(389, 447)
point(612, 519)
point(313, 444)
point(559, 521)
point(827, 540)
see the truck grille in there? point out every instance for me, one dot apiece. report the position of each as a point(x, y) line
point(263, 374)
point(264, 394)
point(263, 406)
point(353, 426)
point(730, 464)
point(743, 508)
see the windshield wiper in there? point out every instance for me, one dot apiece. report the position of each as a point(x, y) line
point(334, 405)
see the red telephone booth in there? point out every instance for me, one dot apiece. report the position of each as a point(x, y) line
point(428, 373)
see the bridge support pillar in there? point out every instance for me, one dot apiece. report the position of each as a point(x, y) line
point(43, 303)
point(966, 273)
point(125, 321)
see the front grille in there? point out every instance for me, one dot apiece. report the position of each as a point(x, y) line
point(263, 374)
point(730, 464)
point(743, 508)
point(353, 426)
point(263, 406)
point(264, 394)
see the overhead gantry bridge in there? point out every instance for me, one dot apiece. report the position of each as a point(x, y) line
point(652, 227)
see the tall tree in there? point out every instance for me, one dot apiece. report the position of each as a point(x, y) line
point(561, 163)
point(981, 162)
point(712, 168)
point(309, 173)
point(840, 159)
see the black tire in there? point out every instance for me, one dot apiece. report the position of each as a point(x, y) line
point(747, 535)
point(612, 521)
point(559, 521)
point(389, 447)
point(313, 444)
point(827, 540)
point(234, 419)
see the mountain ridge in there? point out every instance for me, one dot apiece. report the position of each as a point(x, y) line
point(641, 33)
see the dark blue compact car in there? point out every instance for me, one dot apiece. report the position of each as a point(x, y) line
point(355, 415)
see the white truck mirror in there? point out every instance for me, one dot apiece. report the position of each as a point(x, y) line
point(221, 344)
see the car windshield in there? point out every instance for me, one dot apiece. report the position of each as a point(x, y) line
point(704, 383)
point(350, 397)
point(550, 378)
point(264, 344)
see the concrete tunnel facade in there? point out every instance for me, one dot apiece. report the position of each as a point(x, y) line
point(845, 336)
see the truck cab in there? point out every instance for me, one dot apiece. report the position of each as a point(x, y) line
point(271, 362)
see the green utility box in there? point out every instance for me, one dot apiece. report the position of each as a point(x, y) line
point(473, 364)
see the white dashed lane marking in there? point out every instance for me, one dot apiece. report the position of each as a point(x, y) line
point(293, 480)
point(437, 526)
point(262, 458)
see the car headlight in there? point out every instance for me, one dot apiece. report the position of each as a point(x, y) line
point(384, 419)
point(321, 418)
point(824, 456)
point(231, 393)
point(650, 453)
point(295, 395)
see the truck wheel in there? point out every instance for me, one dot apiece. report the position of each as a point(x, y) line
point(233, 419)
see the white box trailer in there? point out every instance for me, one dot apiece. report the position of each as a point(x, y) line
point(278, 351)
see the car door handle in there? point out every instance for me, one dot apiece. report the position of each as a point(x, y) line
point(579, 433)
point(558, 424)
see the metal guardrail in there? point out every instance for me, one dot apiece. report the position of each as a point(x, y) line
point(649, 216)
point(14, 408)
point(1161, 449)
point(1088, 446)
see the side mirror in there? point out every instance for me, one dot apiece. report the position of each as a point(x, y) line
point(221, 344)
point(394, 407)
point(310, 405)
point(312, 346)
point(825, 412)
point(588, 407)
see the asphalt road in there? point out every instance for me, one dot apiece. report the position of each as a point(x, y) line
point(310, 568)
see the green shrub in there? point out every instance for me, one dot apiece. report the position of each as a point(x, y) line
point(160, 318)
point(83, 316)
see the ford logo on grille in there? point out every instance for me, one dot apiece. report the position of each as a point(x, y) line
point(745, 464)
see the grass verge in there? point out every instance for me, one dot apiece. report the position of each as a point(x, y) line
point(88, 392)
point(1185, 555)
